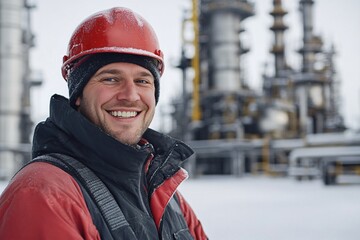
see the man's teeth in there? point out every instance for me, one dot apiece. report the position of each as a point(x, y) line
point(123, 114)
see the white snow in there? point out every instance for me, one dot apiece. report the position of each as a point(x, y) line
point(260, 207)
point(273, 208)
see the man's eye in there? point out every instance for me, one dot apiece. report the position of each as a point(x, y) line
point(109, 80)
point(145, 81)
point(142, 81)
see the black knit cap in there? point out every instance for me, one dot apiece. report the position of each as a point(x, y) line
point(88, 66)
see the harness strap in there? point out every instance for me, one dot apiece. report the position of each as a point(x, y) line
point(104, 200)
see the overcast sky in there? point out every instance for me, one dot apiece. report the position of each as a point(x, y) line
point(337, 21)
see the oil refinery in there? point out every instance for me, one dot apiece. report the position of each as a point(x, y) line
point(16, 125)
point(293, 127)
point(289, 128)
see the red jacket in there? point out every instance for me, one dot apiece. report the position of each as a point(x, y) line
point(44, 202)
point(60, 211)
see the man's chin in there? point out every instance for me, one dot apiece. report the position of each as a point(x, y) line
point(129, 139)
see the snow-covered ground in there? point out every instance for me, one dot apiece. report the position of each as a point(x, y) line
point(268, 208)
point(259, 207)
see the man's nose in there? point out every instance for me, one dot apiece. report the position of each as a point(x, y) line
point(128, 91)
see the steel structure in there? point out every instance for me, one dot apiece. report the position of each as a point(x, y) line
point(16, 40)
point(233, 129)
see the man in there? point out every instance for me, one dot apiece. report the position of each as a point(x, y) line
point(112, 68)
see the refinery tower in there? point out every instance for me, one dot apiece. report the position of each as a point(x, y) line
point(16, 40)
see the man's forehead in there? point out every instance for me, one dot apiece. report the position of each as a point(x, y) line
point(123, 67)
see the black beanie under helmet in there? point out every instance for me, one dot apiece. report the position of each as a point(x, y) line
point(88, 66)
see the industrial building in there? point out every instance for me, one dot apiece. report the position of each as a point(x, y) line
point(233, 128)
point(16, 80)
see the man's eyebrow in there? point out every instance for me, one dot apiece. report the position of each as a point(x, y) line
point(145, 74)
point(108, 71)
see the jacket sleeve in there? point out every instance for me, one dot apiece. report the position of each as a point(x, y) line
point(195, 227)
point(43, 202)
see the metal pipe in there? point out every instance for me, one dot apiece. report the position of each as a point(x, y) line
point(307, 51)
point(278, 28)
point(196, 113)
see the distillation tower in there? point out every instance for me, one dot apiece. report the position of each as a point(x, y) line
point(16, 40)
point(224, 94)
point(279, 115)
point(316, 89)
point(222, 106)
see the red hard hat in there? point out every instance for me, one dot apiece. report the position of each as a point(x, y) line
point(117, 30)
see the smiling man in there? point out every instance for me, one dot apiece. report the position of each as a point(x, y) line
point(99, 171)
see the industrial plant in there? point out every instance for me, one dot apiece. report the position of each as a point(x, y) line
point(16, 80)
point(292, 127)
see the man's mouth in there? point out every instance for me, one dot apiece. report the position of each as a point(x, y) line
point(124, 114)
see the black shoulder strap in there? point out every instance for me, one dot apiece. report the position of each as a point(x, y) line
point(97, 190)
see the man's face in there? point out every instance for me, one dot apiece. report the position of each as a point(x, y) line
point(120, 99)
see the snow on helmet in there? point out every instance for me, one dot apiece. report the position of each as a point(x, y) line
point(116, 30)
